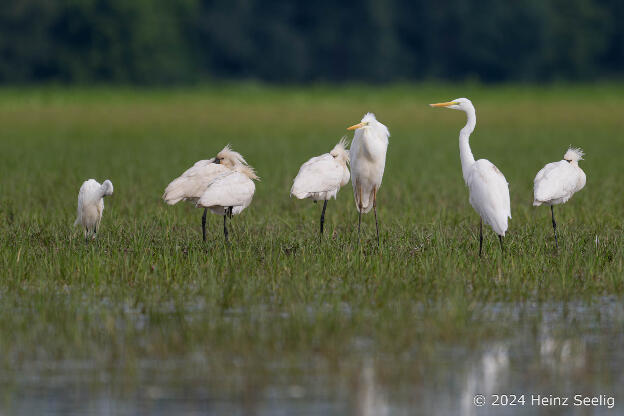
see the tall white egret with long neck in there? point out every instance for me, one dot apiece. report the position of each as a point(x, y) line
point(556, 182)
point(91, 205)
point(321, 177)
point(207, 181)
point(368, 161)
point(489, 191)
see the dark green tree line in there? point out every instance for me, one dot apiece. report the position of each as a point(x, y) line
point(180, 41)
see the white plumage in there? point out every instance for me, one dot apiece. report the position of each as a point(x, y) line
point(489, 195)
point(223, 184)
point(489, 191)
point(193, 182)
point(91, 205)
point(556, 182)
point(234, 189)
point(368, 161)
point(321, 177)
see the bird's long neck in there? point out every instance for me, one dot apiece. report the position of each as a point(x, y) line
point(103, 191)
point(465, 154)
point(373, 144)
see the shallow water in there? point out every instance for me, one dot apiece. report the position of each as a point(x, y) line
point(539, 351)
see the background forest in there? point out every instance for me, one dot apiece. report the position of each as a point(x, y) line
point(179, 42)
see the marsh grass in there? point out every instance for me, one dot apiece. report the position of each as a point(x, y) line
point(149, 289)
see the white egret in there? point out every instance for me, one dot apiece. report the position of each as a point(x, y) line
point(223, 183)
point(321, 177)
point(556, 182)
point(91, 205)
point(489, 191)
point(368, 161)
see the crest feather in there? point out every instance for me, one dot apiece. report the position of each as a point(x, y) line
point(235, 157)
point(248, 171)
point(574, 153)
point(341, 149)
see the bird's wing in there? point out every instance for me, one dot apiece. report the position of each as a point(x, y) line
point(228, 190)
point(489, 194)
point(582, 180)
point(87, 194)
point(354, 148)
point(355, 153)
point(80, 204)
point(319, 174)
point(193, 182)
point(556, 180)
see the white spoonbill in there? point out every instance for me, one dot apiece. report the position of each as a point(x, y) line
point(489, 191)
point(229, 194)
point(209, 180)
point(91, 205)
point(321, 177)
point(558, 181)
point(368, 161)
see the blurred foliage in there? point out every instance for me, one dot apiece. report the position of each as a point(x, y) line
point(181, 41)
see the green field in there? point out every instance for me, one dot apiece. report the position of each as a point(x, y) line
point(149, 304)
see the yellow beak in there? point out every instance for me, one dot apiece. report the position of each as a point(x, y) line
point(443, 104)
point(356, 126)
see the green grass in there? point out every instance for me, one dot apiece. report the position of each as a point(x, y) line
point(150, 289)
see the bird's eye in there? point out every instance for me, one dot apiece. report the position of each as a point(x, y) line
point(569, 161)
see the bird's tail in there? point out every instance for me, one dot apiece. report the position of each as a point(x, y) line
point(174, 192)
point(298, 193)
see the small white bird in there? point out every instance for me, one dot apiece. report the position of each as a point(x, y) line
point(489, 191)
point(368, 161)
point(558, 181)
point(223, 184)
point(91, 205)
point(321, 177)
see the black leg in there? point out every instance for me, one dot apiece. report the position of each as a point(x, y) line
point(500, 239)
point(204, 224)
point(323, 216)
point(375, 209)
point(359, 220)
point(225, 230)
point(359, 211)
point(480, 237)
point(552, 211)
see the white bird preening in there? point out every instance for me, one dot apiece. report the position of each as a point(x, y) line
point(224, 185)
point(368, 161)
point(556, 182)
point(91, 205)
point(321, 177)
point(489, 191)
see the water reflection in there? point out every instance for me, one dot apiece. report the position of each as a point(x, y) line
point(551, 349)
point(370, 399)
point(484, 376)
